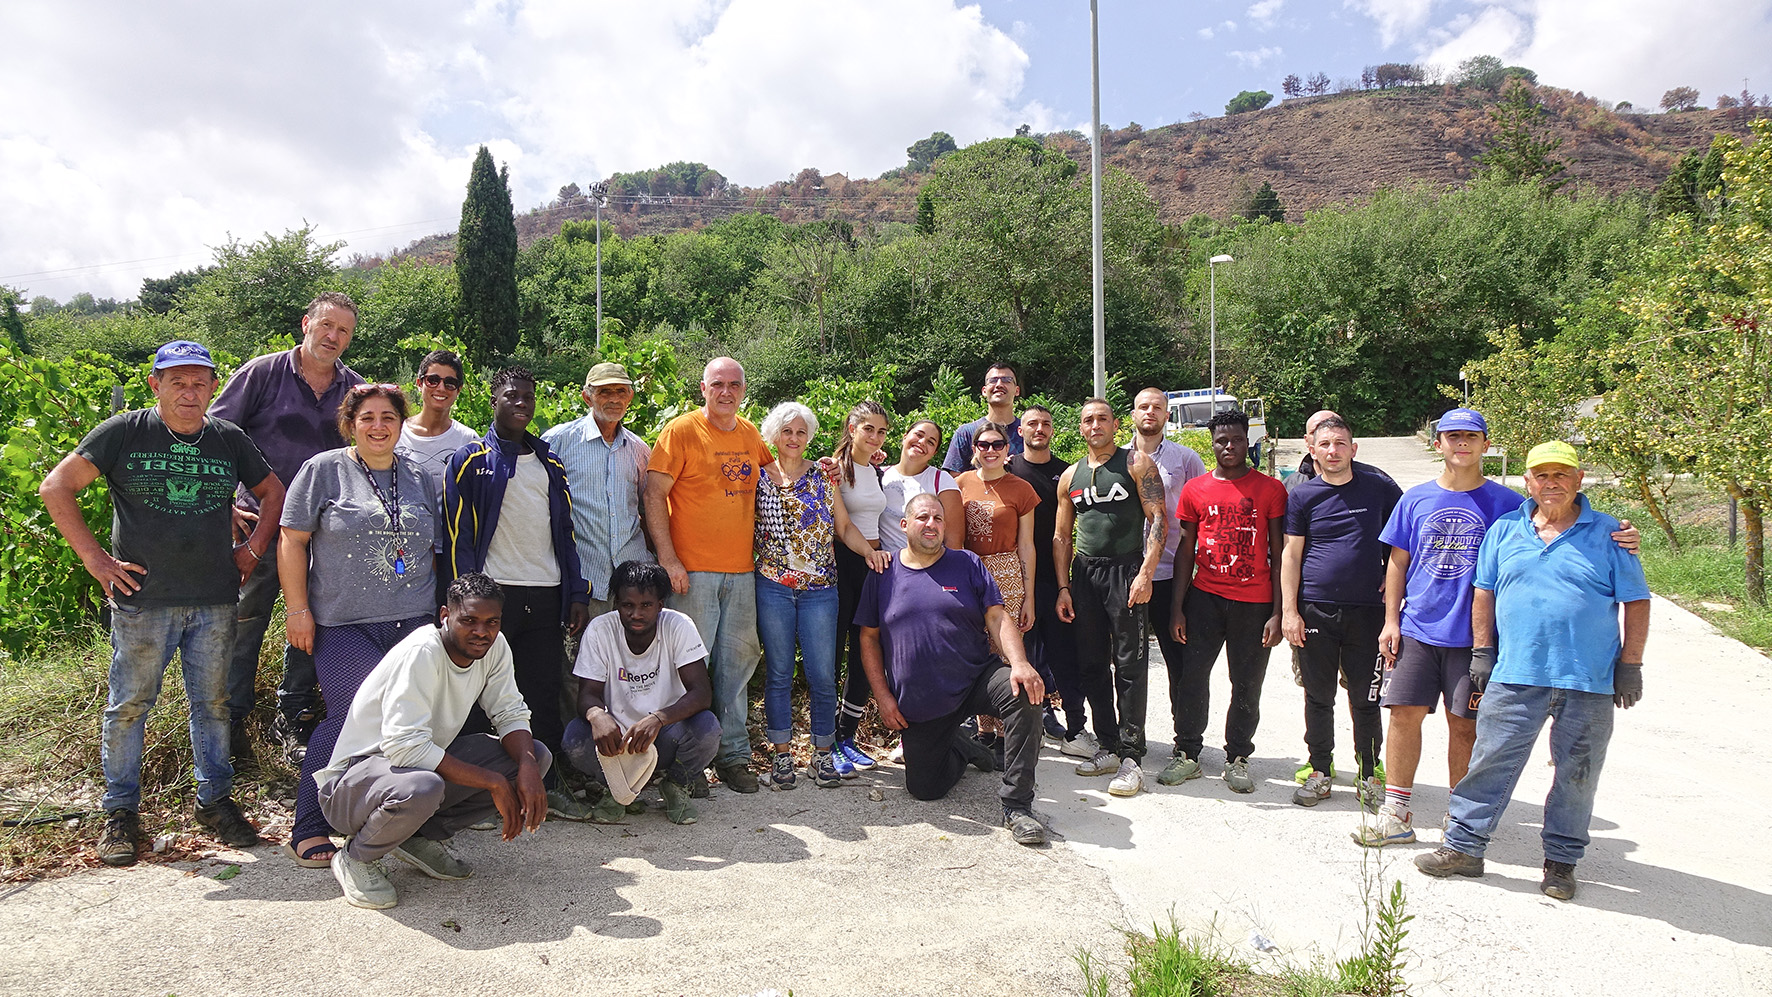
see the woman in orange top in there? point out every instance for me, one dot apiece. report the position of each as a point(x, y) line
point(999, 514)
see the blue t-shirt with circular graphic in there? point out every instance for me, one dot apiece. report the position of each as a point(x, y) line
point(1442, 531)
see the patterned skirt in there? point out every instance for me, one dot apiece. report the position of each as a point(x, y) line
point(1005, 569)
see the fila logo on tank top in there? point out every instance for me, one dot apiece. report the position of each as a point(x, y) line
point(1110, 519)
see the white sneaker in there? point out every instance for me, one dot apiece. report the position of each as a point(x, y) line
point(1129, 780)
point(1081, 746)
point(896, 755)
point(1100, 763)
point(1391, 826)
point(364, 883)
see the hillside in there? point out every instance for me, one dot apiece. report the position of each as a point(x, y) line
point(1315, 151)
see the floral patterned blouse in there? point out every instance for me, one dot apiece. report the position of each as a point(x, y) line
point(796, 531)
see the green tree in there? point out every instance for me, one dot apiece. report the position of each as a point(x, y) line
point(925, 213)
point(1680, 99)
point(1702, 357)
point(404, 299)
point(160, 294)
point(925, 151)
point(1248, 100)
point(486, 262)
point(11, 322)
point(1484, 72)
point(1522, 151)
point(257, 292)
point(1266, 204)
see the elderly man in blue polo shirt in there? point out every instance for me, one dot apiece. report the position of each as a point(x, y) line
point(1549, 582)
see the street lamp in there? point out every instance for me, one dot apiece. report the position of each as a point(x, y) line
point(1212, 298)
point(1095, 203)
point(599, 190)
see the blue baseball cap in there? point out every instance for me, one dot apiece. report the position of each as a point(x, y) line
point(1462, 418)
point(182, 353)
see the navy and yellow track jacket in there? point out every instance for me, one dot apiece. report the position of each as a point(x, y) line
point(473, 495)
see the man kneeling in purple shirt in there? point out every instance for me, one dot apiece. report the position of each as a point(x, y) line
point(923, 624)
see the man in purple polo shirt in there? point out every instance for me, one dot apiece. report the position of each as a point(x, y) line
point(288, 405)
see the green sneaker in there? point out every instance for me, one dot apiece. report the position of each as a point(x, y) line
point(1236, 776)
point(431, 858)
point(1179, 770)
point(565, 806)
point(676, 802)
point(607, 811)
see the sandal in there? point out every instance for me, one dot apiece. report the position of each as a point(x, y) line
point(308, 858)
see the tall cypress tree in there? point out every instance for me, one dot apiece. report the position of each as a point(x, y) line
point(486, 262)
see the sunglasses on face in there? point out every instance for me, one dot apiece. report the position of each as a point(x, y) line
point(991, 444)
point(452, 383)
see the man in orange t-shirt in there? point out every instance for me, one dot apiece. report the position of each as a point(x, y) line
point(701, 512)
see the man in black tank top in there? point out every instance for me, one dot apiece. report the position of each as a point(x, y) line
point(1107, 542)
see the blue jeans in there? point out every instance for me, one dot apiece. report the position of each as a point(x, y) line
point(724, 608)
point(143, 639)
point(784, 614)
point(1508, 723)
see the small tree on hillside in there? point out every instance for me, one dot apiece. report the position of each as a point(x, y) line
point(1482, 71)
point(925, 151)
point(1522, 150)
point(1680, 99)
point(1248, 100)
point(486, 262)
point(1292, 86)
point(1317, 85)
point(1266, 204)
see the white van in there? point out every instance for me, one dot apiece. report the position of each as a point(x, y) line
point(1194, 409)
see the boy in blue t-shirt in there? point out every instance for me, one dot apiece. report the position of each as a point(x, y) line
point(1434, 534)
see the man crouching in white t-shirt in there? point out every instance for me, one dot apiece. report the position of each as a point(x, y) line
point(643, 683)
point(404, 778)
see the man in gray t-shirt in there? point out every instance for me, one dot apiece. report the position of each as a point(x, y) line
point(171, 577)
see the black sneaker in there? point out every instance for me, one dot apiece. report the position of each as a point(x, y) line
point(698, 786)
point(1444, 861)
point(737, 777)
point(1024, 827)
point(229, 824)
point(981, 757)
point(1050, 724)
point(1559, 880)
point(120, 838)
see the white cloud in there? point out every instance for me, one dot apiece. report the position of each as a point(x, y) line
point(1228, 25)
point(1254, 60)
point(148, 132)
point(1620, 49)
point(1265, 12)
point(1396, 18)
point(1205, 34)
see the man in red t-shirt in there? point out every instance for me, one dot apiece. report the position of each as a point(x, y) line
point(1232, 528)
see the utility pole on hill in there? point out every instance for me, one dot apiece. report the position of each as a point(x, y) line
point(598, 191)
point(1095, 200)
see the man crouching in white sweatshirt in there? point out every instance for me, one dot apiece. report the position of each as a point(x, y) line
point(403, 778)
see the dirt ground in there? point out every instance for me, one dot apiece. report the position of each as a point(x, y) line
point(833, 892)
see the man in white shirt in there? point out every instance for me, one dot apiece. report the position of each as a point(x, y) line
point(403, 779)
point(643, 683)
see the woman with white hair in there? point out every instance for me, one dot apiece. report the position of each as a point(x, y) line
point(800, 515)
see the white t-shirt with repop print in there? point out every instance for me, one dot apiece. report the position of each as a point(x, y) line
point(637, 684)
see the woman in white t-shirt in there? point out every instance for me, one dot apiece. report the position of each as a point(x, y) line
point(430, 437)
point(643, 681)
point(914, 474)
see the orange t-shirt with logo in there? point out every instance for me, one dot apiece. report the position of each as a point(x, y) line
point(713, 499)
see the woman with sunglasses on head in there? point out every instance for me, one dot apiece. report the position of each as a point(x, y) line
point(361, 531)
point(432, 434)
point(999, 522)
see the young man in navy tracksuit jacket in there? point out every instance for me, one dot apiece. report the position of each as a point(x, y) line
point(509, 514)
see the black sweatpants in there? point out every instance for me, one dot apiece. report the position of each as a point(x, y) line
point(538, 654)
point(1112, 651)
point(934, 762)
point(852, 572)
point(1215, 623)
point(1341, 640)
point(1052, 649)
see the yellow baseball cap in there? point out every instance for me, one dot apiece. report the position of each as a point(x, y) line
point(1553, 452)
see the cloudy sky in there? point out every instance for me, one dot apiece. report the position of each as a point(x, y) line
point(136, 136)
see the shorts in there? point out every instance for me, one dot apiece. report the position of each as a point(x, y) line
point(1425, 674)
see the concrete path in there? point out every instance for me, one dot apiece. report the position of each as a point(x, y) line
point(832, 892)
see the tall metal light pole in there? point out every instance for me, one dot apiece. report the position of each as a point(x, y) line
point(1095, 200)
point(1212, 298)
point(598, 191)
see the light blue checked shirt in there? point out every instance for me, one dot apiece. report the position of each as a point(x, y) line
point(606, 480)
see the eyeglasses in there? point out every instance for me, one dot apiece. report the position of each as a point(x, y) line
point(452, 383)
point(999, 379)
point(990, 444)
point(372, 389)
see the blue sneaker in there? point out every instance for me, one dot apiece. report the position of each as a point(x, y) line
point(861, 760)
point(844, 769)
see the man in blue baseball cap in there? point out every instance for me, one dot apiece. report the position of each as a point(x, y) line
point(171, 577)
point(1434, 533)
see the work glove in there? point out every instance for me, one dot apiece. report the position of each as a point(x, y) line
point(1482, 666)
point(1627, 685)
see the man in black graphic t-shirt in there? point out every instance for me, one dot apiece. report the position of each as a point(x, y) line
point(172, 576)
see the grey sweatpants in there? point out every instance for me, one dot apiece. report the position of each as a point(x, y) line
point(381, 805)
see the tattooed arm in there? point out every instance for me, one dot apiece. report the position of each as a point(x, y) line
point(1156, 517)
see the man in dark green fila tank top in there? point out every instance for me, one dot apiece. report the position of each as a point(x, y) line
point(1106, 546)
